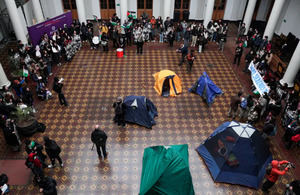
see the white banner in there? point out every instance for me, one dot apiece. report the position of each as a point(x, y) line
point(257, 80)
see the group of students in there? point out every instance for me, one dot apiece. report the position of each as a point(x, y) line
point(36, 162)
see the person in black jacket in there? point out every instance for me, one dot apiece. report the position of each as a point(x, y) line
point(53, 151)
point(99, 138)
point(171, 37)
point(57, 87)
point(119, 107)
point(238, 54)
point(184, 51)
point(48, 186)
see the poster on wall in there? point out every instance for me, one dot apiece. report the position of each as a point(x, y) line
point(49, 26)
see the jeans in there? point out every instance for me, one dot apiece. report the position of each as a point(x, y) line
point(161, 37)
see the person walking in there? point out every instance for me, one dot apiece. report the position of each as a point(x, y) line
point(57, 87)
point(184, 51)
point(99, 138)
point(190, 59)
point(53, 151)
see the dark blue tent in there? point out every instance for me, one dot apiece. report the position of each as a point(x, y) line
point(206, 89)
point(140, 110)
point(236, 153)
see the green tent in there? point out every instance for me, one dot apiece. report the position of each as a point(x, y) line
point(166, 171)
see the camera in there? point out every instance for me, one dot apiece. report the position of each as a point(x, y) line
point(61, 80)
point(291, 165)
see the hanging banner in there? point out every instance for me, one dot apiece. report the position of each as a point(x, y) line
point(257, 80)
point(49, 26)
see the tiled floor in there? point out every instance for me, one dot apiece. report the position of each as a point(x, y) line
point(92, 82)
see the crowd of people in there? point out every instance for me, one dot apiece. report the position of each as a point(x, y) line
point(37, 63)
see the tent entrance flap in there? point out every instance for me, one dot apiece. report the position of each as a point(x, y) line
point(166, 88)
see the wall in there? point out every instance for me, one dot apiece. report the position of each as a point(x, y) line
point(263, 10)
point(197, 9)
point(92, 7)
point(51, 8)
point(234, 10)
point(290, 20)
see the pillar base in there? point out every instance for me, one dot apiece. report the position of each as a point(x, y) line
point(290, 85)
point(7, 84)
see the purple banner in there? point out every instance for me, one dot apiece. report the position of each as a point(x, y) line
point(49, 26)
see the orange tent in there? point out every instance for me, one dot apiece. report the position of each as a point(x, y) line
point(167, 83)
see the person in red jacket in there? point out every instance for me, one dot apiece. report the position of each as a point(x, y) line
point(275, 172)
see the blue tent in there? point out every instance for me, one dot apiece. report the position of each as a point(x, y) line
point(140, 110)
point(206, 89)
point(236, 153)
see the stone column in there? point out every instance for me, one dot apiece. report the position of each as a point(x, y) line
point(167, 9)
point(208, 11)
point(15, 20)
point(292, 69)
point(270, 28)
point(81, 11)
point(37, 11)
point(3, 79)
point(124, 9)
point(249, 14)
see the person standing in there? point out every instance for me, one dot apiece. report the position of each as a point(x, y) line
point(11, 135)
point(119, 107)
point(140, 38)
point(234, 105)
point(238, 54)
point(57, 87)
point(171, 37)
point(274, 173)
point(184, 51)
point(53, 151)
point(99, 138)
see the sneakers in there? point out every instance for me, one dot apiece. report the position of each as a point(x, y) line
point(62, 165)
point(51, 166)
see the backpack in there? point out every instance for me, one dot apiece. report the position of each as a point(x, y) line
point(269, 169)
point(244, 103)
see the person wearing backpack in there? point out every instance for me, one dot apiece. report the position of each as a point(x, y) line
point(99, 138)
point(53, 151)
point(119, 107)
point(273, 172)
point(48, 186)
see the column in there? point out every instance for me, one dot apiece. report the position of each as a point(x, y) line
point(292, 69)
point(270, 28)
point(124, 9)
point(208, 11)
point(81, 11)
point(249, 14)
point(15, 20)
point(37, 10)
point(167, 9)
point(3, 79)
